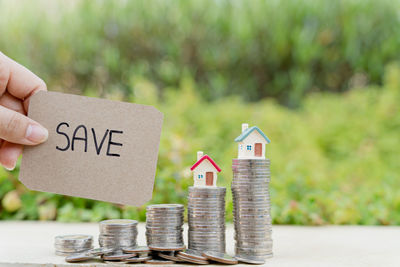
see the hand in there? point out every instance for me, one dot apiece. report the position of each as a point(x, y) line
point(17, 85)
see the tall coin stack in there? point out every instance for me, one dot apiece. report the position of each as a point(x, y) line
point(118, 234)
point(70, 244)
point(164, 224)
point(251, 207)
point(206, 218)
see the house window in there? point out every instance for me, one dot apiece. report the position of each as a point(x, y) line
point(241, 147)
point(200, 176)
point(248, 147)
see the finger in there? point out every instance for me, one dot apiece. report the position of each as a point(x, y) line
point(4, 74)
point(18, 80)
point(9, 154)
point(19, 129)
point(12, 103)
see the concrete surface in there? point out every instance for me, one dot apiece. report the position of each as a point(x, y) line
point(32, 244)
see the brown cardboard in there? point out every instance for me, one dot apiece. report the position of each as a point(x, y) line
point(124, 175)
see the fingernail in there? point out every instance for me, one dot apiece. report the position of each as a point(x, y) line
point(36, 133)
point(10, 168)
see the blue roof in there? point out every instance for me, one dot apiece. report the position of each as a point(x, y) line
point(244, 134)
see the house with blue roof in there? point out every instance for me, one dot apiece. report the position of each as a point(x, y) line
point(251, 143)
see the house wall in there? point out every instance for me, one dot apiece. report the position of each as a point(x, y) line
point(205, 166)
point(251, 139)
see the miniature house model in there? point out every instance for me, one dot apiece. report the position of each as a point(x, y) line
point(205, 171)
point(251, 143)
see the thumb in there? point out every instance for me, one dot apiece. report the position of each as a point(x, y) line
point(19, 129)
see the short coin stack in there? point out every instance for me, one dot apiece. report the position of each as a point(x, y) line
point(251, 208)
point(118, 234)
point(70, 244)
point(206, 218)
point(164, 227)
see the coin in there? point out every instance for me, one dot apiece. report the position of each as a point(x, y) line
point(165, 206)
point(194, 254)
point(118, 233)
point(73, 239)
point(169, 256)
point(118, 256)
point(99, 251)
point(71, 244)
point(166, 248)
point(192, 260)
point(252, 207)
point(219, 257)
point(136, 260)
point(164, 226)
point(141, 249)
point(62, 253)
point(206, 219)
point(250, 259)
point(78, 257)
point(159, 262)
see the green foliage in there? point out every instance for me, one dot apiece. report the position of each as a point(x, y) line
point(253, 49)
point(335, 161)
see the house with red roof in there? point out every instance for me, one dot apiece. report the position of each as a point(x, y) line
point(205, 170)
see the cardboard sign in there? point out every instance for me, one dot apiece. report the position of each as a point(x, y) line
point(98, 149)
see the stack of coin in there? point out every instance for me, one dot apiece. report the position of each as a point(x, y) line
point(164, 226)
point(118, 234)
point(252, 208)
point(70, 244)
point(206, 218)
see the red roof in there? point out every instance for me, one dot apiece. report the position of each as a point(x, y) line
point(209, 159)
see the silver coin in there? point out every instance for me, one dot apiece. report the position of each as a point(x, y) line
point(220, 257)
point(73, 239)
point(164, 207)
point(250, 248)
point(163, 224)
point(218, 204)
point(136, 260)
point(174, 214)
point(63, 253)
point(246, 173)
point(194, 254)
point(169, 228)
point(118, 256)
point(165, 218)
point(72, 250)
point(194, 235)
point(118, 223)
point(99, 251)
point(207, 195)
point(250, 186)
point(78, 257)
point(167, 247)
point(208, 242)
point(261, 185)
point(163, 239)
point(206, 200)
point(249, 259)
point(140, 249)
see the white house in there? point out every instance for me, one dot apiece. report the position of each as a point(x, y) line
point(251, 143)
point(205, 171)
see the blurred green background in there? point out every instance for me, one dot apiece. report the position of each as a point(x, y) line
point(321, 78)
